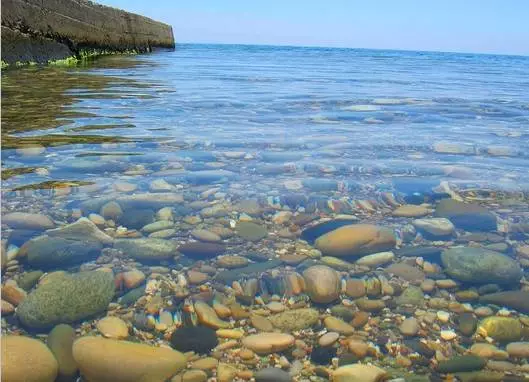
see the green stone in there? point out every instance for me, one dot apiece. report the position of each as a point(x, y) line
point(462, 363)
point(467, 323)
point(60, 341)
point(251, 231)
point(412, 295)
point(132, 296)
point(66, 298)
point(28, 280)
point(336, 263)
point(478, 265)
point(502, 329)
point(296, 319)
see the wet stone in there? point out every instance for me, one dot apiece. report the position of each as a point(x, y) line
point(296, 319)
point(200, 250)
point(251, 231)
point(468, 216)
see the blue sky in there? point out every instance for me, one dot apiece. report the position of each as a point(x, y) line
point(486, 26)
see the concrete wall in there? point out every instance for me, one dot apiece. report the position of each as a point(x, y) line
point(42, 30)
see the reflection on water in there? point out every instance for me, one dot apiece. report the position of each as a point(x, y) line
point(258, 179)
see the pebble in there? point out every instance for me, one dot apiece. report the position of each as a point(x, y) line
point(113, 327)
point(205, 235)
point(328, 339)
point(208, 317)
point(207, 363)
point(226, 373)
point(448, 335)
point(261, 323)
point(411, 211)
point(358, 373)
point(518, 349)
point(376, 259)
point(338, 325)
point(323, 284)
point(409, 327)
point(265, 343)
point(132, 279)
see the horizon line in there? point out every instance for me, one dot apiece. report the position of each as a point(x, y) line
point(351, 48)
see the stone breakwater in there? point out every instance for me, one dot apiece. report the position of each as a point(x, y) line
point(49, 30)
point(201, 281)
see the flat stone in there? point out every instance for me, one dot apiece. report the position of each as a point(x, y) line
point(356, 240)
point(29, 221)
point(195, 277)
point(201, 250)
point(502, 329)
point(406, 272)
point(83, 229)
point(208, 363)
point(323, 284)
point(160, 225)
point(205, 235)
point(232, 261)
point(368, 305)
point(47, 252)
point(376, 259)
point(476, 265)
point(312, 233)
point(97, 359)
point(66, 299)
point(336, 263)
point(468, 216)
point(266, 343)
point(208, 317)
point(411, 211)
point(412, 295)
point(113, 327)
point(409, 327)
point(328, 339)
point(147, 249)
point(488, 351)
point(355, 288)
point(461, 363)
point(358, 373)
point(296, 319)
point(261, 323)
point(438, 227)
point(132, 279)
point(338, 325)
point(514, 299)
point(251, 231)
point(251, 270)
point(27, 359)
point(272, 374)
point(226, 373)
point(518, 349)
point(454, 148)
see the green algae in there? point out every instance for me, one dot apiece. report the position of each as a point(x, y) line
point(53, 184)
point(11, 172)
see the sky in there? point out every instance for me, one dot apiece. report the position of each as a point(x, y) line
point(473, 26)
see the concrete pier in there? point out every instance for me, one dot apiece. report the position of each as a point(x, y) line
point(46, 30)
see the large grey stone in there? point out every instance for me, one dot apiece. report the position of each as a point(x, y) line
point(477, 265)
point(47, 252)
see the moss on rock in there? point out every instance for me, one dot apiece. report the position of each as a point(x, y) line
point(67, 298)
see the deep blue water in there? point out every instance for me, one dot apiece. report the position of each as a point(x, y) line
point(346, 115)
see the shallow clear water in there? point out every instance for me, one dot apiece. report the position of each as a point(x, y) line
point(354, 116)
